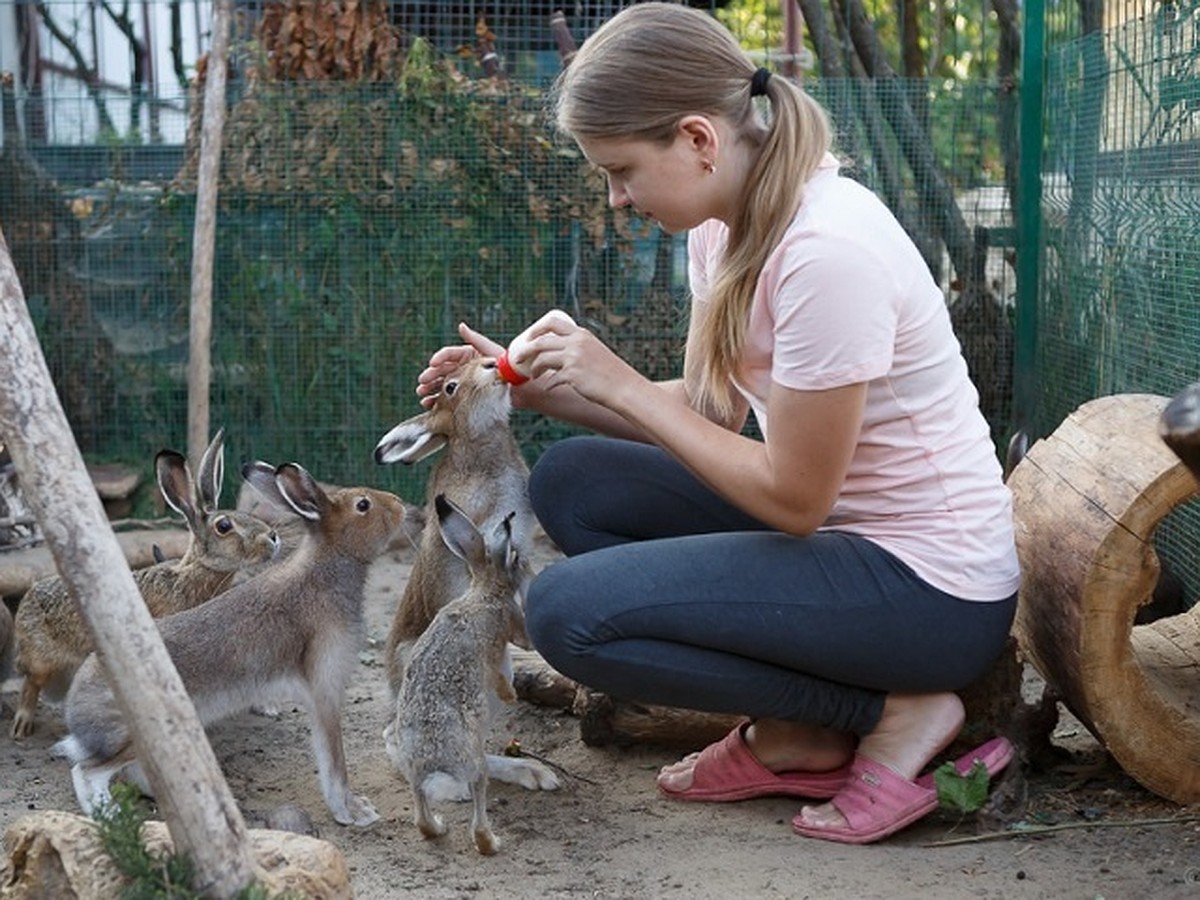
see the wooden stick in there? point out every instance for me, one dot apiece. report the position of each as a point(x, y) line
point(199, 372)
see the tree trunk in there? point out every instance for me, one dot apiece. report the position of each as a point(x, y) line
point(934, 190)
point(1087, 501)
point(170, 742)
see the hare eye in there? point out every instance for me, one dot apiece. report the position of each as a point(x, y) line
point(363, 504)
point(449, 388)
point(223, 525)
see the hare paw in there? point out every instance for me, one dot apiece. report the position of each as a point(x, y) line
point(528, 773)
point(358, 811)
point(22, 726)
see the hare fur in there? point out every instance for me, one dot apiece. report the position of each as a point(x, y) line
point(50, 637)
point(455, 672)
point(482, 471)
point(295, 629)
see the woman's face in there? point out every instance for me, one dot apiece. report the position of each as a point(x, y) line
point(661, 181)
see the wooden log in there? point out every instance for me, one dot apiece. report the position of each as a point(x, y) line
point(19, 569)
point(1087, 501)
point(605, 720)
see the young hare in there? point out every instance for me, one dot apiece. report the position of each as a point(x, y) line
point(294, 630)
point(481, 469)
point(455, 673)
point(50, 638)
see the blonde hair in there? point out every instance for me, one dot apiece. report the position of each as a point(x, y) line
point(636, 77)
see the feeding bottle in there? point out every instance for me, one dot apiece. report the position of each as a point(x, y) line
point(509, 364)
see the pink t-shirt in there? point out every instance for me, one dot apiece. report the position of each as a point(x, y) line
point(847, 298)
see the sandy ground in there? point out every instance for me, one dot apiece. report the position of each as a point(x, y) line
point(606, 833)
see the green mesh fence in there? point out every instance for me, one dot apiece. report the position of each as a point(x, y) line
point(1120, 220)
point(359, 222)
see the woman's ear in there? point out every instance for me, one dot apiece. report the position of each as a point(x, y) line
point(700, 132)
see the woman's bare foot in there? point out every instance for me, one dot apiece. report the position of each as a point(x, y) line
point(913, 729)
point(781, 747)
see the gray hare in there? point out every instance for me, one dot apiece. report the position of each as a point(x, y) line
point(482, 471)
point(455, 673)
point(293, 630)
point(50, 638)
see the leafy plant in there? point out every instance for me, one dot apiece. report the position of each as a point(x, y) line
point(150, 876)
point(963, 793)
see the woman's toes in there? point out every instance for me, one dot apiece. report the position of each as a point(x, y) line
point(824, 816)
point(677, 776)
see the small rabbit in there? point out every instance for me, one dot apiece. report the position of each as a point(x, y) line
point(482, 470)
point(295, 628)
point(455, 673)
point(51, 639)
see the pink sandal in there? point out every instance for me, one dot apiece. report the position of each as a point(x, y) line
point(728, 771)
point(876, 802)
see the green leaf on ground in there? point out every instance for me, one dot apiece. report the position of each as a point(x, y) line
point(963, 793)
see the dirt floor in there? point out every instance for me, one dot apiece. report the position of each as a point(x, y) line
point(606, 833)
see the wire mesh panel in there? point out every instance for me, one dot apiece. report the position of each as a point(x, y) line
point(1120, 280)
point(377, 187)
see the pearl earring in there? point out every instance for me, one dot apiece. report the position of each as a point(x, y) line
point(709, 166)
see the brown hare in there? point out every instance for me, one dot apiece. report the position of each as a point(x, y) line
point(295, 630)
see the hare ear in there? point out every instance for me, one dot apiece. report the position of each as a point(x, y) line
point(301, 491)
point(175, 482)
point(261, 477)
point(409, 442)
point(458, 531)
point(212, 472)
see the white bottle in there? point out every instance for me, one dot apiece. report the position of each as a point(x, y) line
point(509, 364)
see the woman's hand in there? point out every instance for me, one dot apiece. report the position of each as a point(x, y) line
point(447, 359)
point(568, 354)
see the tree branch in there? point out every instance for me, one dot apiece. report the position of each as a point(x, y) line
point(84, 72)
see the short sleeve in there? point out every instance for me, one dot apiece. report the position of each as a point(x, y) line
point(834, 310)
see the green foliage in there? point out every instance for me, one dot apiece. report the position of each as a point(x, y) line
point(963, 793)
point(150, 876)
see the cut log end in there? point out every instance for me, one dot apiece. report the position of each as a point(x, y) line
point(1087, 501)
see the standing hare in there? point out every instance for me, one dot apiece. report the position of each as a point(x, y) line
point(51, 639)
point(483, 472)
point(456, 672)
point(294, 629)
point(481, 469)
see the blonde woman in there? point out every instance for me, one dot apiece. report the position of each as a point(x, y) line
point(835, 582)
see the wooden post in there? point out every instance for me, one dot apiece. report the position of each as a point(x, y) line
point(1087, 501)
point(199, 374)
point(199, 810)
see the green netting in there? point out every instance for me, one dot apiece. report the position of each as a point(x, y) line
point(1120, 221)
point(358, 222)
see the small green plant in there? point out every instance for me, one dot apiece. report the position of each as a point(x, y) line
point(962, 793)
point(150, 876)
point(120, 821)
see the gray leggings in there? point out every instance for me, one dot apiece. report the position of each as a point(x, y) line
point(671, 595)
